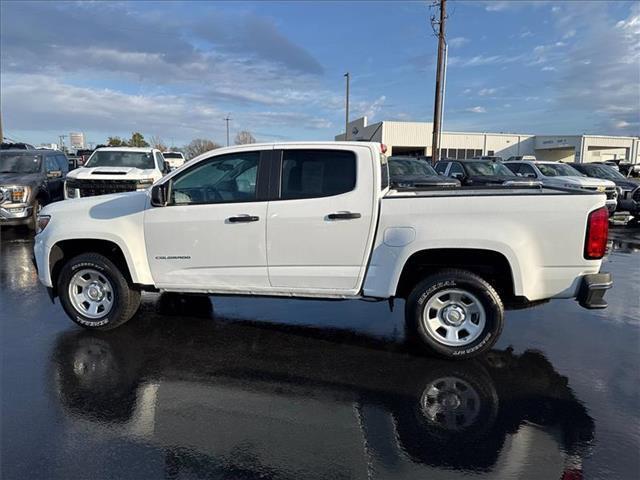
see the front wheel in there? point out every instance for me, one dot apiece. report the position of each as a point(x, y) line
point(455, 313)
point(95, 294)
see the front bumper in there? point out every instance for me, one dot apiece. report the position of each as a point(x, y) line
point(592, 290)
point(15, 214)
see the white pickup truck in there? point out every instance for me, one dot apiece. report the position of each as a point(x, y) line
point(114, 170)
point(319, 220)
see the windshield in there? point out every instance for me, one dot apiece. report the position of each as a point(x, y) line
point(485, 169)
point(602, 171)
point(410, 166)
point(20, 162)
point(558, 170)
point(172, 155)
point(141, 160)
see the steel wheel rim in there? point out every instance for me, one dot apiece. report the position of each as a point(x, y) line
point(454, 317)
point(91, 293)
point(451, 403)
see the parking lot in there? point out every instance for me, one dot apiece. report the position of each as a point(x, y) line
point(266, 388)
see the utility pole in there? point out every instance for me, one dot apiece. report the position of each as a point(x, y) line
point(437, 108)
point(1, 134)
point(346, 107)
point(226, 119)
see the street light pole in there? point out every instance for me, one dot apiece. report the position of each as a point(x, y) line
point(437, 108)
point(346, 118)
point(226, 119)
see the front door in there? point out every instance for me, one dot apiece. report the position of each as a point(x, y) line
point(319, 229)
point(211, 234)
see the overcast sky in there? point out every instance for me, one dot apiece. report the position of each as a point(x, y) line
point(175, 70)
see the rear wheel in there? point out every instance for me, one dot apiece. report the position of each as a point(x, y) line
point(455, 313)
point(95, 294)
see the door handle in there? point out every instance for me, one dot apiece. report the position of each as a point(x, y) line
point(243, 219)
point(343, 216)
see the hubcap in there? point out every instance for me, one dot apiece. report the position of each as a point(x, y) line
point(451, 402)
point(454, 317)
point(91, 293)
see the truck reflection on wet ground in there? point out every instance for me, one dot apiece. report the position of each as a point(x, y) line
point(270, 388)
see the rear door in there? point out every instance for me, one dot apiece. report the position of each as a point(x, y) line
point(320, 225)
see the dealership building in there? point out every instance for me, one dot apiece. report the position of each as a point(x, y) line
point(414, 138)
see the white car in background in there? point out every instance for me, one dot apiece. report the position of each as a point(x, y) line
point(557, 174)
point(174, 159)
point(114, 170)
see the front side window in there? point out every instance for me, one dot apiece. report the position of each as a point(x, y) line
point(63, 163)
point(141, 160)
point(221, 179)
point(456, 168)
point(51, 165)
point(441, 167)
point(317, 173)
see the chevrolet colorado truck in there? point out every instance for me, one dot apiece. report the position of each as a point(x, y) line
point(319, 220)
point(114, 170)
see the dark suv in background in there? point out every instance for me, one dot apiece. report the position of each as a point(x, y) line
point(29, 179)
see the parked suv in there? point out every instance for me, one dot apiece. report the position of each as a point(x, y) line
point(557, 174)
point(478, 172)
point(114, 170)
point(29, 179)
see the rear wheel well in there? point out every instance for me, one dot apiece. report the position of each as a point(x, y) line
point(489, 265)
point(65, 250)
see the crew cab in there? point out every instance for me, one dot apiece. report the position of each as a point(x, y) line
point(116, 169)
point(558, 174)
point(319, 220)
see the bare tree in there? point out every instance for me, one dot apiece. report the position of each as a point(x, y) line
point(199, 146)
point(157, 142)
point(244, 137)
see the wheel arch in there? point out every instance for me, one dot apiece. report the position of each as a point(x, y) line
point(491, 265)
point(64, 250)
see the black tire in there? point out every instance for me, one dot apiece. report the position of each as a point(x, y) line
point(459, 280)
point(33, 222)
point(125, 302)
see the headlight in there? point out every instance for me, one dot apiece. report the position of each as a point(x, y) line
point(144, 183)
point(42, 222)
point(70, 190)
point(15, 193)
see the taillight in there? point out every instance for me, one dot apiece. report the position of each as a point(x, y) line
point(597, 233)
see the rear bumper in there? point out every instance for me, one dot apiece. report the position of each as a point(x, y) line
point(592, 290)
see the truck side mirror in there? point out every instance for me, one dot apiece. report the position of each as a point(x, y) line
point(159, 195)
point(457, 176)
point(54, 174)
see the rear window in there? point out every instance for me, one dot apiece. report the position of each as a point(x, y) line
point(317, 173)
point(172, 155)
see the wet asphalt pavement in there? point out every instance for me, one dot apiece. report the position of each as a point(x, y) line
point(242, 388)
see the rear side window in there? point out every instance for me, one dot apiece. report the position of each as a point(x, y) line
point(317, 173)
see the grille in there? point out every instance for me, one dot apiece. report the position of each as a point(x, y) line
point(636, 194)
point(611, 192)
point(91, 188)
